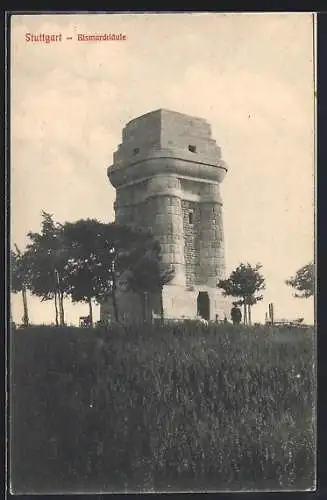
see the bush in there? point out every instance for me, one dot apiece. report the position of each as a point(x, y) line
point(180, 407)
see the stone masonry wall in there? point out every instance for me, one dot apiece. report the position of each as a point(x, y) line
point(152, 207)
point(191, 210)
point(212, 243)
point(190, 232)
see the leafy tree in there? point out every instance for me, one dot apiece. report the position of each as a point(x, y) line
point(20, 279)
point(98, 254)
point(47, 257)
point(149, 275)
point(246, 283)
point(303, 281)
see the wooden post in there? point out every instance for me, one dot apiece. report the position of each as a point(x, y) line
point(24, 295)
point(90, 313)
point(60, 298)
point(249, 315)
point(271, 313)
point(25, 315)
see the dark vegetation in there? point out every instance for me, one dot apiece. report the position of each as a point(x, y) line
point(303, 281)
point(246, 284)
point(176, 407)
point(83, 261)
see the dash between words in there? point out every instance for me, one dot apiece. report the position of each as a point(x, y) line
point(80, 37)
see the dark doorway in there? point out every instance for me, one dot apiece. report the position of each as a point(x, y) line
point(203, 303)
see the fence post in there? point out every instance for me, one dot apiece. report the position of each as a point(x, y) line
point(271, 313)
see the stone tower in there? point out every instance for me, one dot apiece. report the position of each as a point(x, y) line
point(167, 173)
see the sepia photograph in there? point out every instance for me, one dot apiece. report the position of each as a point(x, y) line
point(162, 252)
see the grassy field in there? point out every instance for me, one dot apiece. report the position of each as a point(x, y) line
point(180, 407)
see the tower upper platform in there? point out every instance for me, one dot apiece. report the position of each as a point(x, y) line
point(165, 141)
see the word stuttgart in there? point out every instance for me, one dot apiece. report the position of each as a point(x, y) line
point(43, 37)
point(96, 37)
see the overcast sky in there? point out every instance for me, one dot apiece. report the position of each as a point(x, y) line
point(249, 75)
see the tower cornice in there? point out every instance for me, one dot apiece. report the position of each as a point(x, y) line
point(122, 173)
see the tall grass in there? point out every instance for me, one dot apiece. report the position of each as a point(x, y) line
point(180, 407)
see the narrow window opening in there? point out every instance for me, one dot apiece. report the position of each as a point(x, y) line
point(192, 148)
point(190, 218)
point(135, 151)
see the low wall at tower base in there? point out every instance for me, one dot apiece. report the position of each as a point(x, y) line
point(130, 309)
point(183, 304)
point(178, 303)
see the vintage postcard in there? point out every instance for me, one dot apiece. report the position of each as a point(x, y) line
point(162, 252)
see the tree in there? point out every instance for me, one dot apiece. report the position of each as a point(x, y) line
point(303, 281)
point(245, 283)
point(20, 279)
point(149, 275)
point(47, 257)
point(98, 254)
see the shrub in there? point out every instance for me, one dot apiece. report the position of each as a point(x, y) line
point(174, 407)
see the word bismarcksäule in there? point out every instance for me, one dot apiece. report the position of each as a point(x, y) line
point(105, 37)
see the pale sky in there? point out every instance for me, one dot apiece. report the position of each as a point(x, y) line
point(249, 75)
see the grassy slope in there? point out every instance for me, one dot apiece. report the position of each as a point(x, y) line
point(184, 407)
